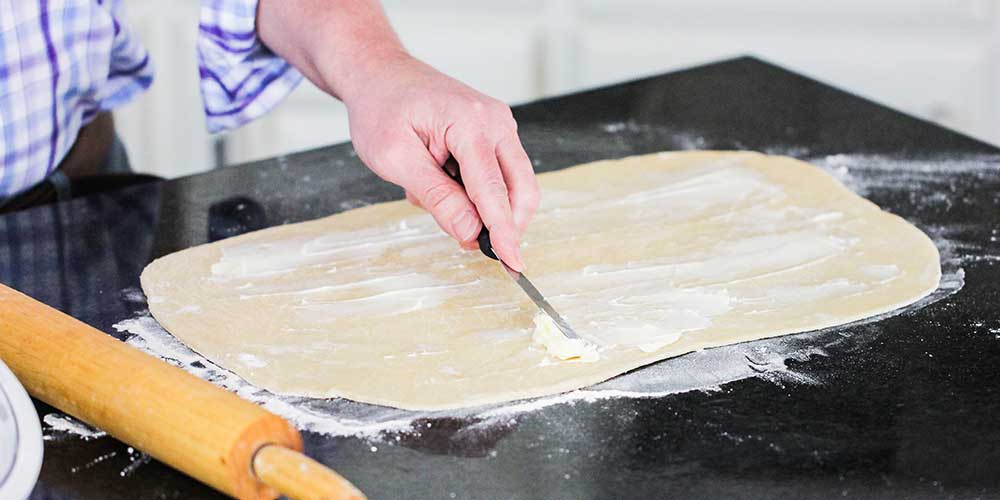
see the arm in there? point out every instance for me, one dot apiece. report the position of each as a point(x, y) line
point(407, 118)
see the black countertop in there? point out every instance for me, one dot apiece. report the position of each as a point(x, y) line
point(908, 405)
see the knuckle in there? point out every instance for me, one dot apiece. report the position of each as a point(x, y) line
point(487, 108)
point(512, 124)
point(505, 130)
point(435, 195)
point(477, 106)
point(501, 114)
point(490, 187)
point(478, 147)
point(491, 176)
point(503, 110)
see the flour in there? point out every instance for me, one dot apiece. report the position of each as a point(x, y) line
point(704, 370)
point(136, 460)
point(925, 183)
point(936, 179)
point(58, 425)
point(676, 139)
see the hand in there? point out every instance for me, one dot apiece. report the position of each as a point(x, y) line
point(406, 122)
point(407, 118)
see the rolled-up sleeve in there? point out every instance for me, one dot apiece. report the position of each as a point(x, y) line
point(241, 79)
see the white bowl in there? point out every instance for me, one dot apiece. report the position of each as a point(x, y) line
point(20, 439)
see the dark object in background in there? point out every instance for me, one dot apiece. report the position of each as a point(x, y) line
point(235, 216)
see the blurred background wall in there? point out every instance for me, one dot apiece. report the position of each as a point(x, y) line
point(938, 59)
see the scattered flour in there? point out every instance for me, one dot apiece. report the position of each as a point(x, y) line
point(677, 139)
point(922, 181)
point(704, 370)
point(58, 425)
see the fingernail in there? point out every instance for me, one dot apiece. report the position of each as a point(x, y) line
point(467, 226)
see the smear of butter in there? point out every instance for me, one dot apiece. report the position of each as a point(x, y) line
point(548, 335)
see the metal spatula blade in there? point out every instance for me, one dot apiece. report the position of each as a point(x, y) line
point(451, 168)
point(540, 301)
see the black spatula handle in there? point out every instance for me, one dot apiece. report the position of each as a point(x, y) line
point(451, 168)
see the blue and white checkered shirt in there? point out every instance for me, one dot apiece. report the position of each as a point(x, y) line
point(64, 61)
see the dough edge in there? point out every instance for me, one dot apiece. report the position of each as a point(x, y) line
point(154, 268)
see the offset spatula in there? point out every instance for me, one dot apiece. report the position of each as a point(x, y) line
point(451, 168)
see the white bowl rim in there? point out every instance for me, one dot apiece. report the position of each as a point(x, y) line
point(28, 457)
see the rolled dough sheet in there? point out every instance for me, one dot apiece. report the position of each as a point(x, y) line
point(648, 257)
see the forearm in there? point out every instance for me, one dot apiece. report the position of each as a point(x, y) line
point(407, 118)
point(336, 44)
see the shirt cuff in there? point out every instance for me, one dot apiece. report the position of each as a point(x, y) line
point(241, 79)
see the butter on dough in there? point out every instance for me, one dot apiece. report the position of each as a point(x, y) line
point(648, 257)
point(548, 335)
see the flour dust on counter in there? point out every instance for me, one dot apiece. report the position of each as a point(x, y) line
point(649, 257)
point(58, 425)
point(702, 370)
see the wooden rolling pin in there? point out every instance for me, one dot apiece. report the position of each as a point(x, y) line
point(202, 430)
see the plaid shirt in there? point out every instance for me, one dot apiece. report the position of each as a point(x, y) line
point(64, 61)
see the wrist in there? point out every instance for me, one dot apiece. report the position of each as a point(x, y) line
point(353, 71)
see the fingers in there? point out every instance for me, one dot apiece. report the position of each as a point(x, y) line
point(500, 187)
point(487, 189)
point(518, 174)
point(410, 165)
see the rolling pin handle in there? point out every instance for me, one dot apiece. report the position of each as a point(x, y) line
point(299, 477)
point(451, 169)
point(214, 436)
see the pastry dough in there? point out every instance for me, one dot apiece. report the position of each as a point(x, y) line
point(648, 257)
